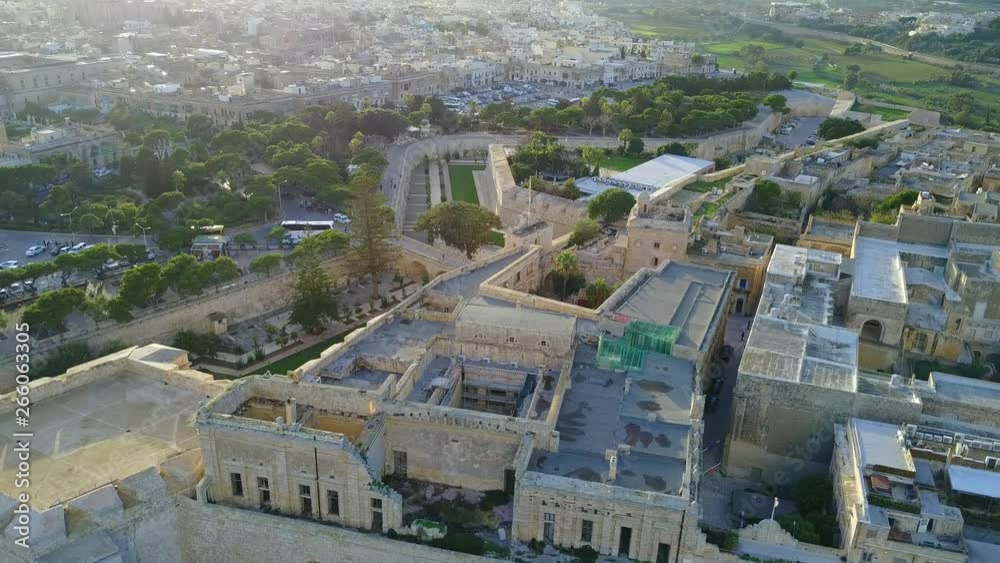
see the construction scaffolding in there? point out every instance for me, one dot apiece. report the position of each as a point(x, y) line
point(628, 353)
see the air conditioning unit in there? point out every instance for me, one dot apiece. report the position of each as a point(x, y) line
point(911, 430)
point(461, 359)
point(513, 365)
point(947, 439)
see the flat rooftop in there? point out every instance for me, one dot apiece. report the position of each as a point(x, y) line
point(684, 296)
point(793, 261)
point(467, 284)
point(879, 273)
point(972, 481)
point(598, 414)
point(100, 433)
point(825, 356)
point(481, 311)
point(400, 339)
point(881, 445)
point(662, 170)
point(972, 392)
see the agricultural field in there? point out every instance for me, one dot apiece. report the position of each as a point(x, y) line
point(882, 77)
point(463, 185)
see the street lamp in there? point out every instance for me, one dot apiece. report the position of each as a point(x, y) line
point(144, 229)
point(70, 215)
point(114, 226)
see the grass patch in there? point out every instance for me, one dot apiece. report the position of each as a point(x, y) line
point(289, 363)
point(888, 114)
point(497, 239)
point(463, 186)
point(619, 162)
point(702, 186)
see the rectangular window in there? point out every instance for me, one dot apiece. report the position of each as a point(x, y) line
point(377, 503)
point(656, 246)
point(511, 340)
point(333, 503)
point(236, 481)
point(549, 527)
point(305, 500)
point(587, 531)
point(264, 491)
point(744, 283)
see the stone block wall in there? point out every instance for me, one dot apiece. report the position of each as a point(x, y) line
point(651, 518)
point(461, 457)
point(222, 534)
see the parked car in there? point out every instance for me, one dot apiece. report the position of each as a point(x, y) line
point(9, 264)
point(111, 264)
point(711, 403)
point(59, 250)
point(78, 247)
point(716, 386)
point(341, 218)
point(34, 251)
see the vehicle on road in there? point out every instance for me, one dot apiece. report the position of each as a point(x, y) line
point(78, 247)
point(9, 264)
point(716, 387)
point(711, 403)
point(341, 218)
point(298, 230)
point(56, 251)
point(34, 251)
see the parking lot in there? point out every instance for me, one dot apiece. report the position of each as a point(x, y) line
point(798, 131)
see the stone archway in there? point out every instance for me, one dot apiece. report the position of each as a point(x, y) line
point(872, 330)
point(416, 270)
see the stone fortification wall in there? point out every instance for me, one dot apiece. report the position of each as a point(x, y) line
point(211, 532)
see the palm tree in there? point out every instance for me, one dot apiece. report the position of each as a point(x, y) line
point(624, 138)
point(566, 265)
point(598, 292)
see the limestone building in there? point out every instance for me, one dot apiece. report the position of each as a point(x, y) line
point(929, 285)
point(799, 373)
point(888, 500)
point(580, 428)
point(590, 422)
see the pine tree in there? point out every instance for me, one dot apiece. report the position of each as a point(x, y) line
point(372, 252)
point(313, 301)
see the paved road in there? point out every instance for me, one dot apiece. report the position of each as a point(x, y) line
point(14, 243)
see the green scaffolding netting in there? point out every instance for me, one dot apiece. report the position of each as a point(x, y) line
point(640, 337)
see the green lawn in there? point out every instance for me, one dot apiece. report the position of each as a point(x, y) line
point(702, 186)
point(619, 162)
point(463, 186)
point(497, 239)
point(888, 114)
point(289, 363)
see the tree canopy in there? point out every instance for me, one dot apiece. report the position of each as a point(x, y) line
point(610, 206)
point(837, 127)
point(460, 224)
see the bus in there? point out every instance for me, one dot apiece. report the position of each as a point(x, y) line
point(298, 230)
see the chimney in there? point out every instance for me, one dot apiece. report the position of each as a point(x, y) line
point(628, 384)
point(291, 411)
point(613, 468)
